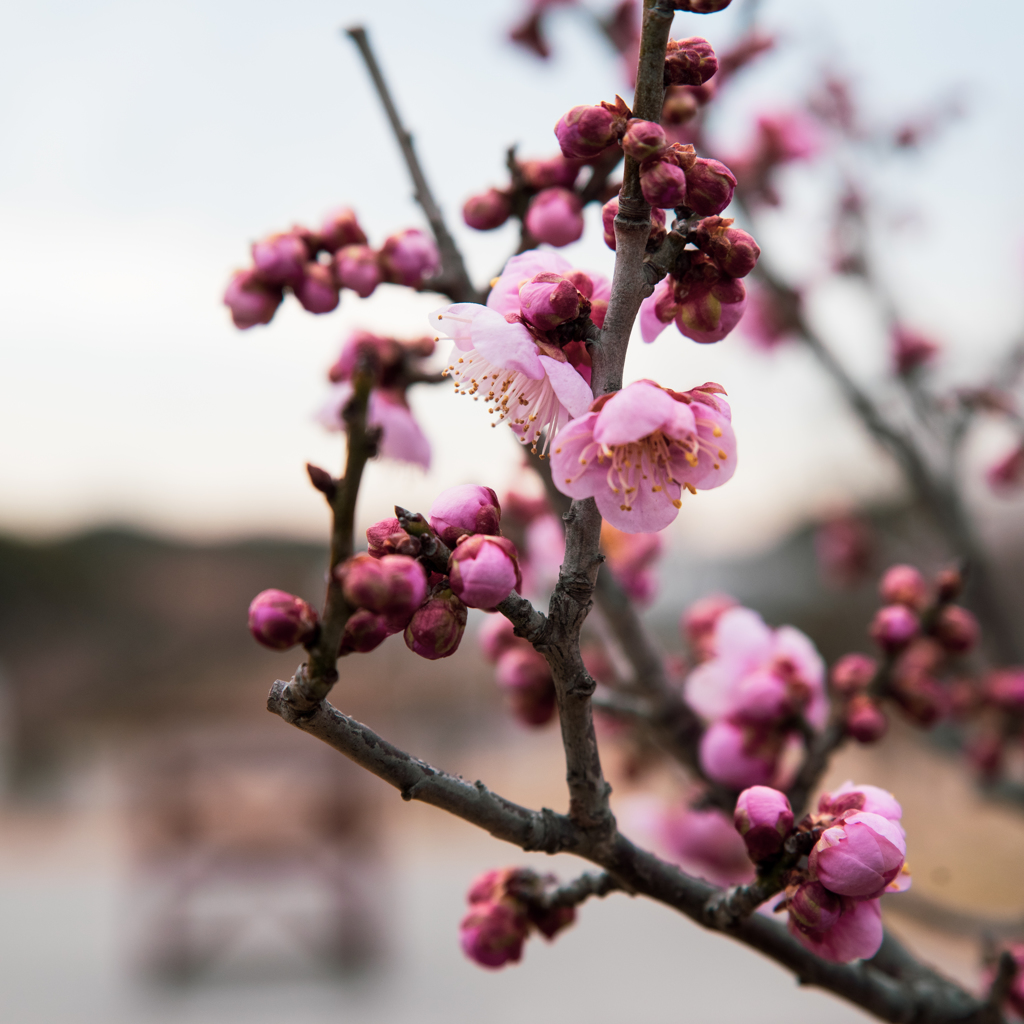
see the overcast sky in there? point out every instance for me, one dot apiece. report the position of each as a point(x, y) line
point(145, 145)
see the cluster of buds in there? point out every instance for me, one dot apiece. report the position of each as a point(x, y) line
point(385, 591)
point(758, 690)
point(505, 906)
point(393, 366)
point(522, 674)
point(316, 265)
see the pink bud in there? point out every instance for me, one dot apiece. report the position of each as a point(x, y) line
point(903, 584)
point(731, 249)
point(280, 620)
point(911, 350)
point(709, 187)
point(484, 570)
point(763, 817)
point(1005, 689)
point(366, 630)
point(545, 173)
point(466, 509)
point(586, 130)
point(856, 935)
point(814, 908)
point(663, 183)
point(281, 258)
point(1004, 476)
point(340, 228)
point(250, 300)
point(555, 216)
point(487, 211)
point(859, 857)
point(409, 258)
point(644, 139)
point(956, 629)
point(853, 672)
point(689, 61)
point(525, 678)
point(388, 538)
point(698, 622)
point(496, 636)
point(706, 314)
point(394, 585)
point(707, 844)
point(894, 626)
point(921, 698)
point(737, 756)
point(611, 208)
point(549, 300)
point(865, 720)
point(317, 291)
point(357, 267)
point(492, 934)
point(436, 628)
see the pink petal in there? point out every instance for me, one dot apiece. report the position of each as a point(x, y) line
point(569, 387)
point(710, 687)
point(650, 326)
point(704, 475)
point(857, 935)
point(568, 475)
point(633, 413)
point(504, 296)
point(742, 638)
point(402, 438)
point(456, 322)
point(649, 511)
point(508, 346)
point(329, 415)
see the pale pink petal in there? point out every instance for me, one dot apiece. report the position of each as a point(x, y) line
point(402, 438)
point(572, 390)
point(724, 759)
point(710, 687)
point(650, 326)
point(648, 510)
point(456, 322)
point(508, 346)
point(742, 638)
point(902, 882)
point(878, 800)
point(504, 296)
point(633, 413)
point(798, 648)
point(329, 415)
point(716, 458)
point(570, 476)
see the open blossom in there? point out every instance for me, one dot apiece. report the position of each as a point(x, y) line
point(526, 375)
point(637, 448)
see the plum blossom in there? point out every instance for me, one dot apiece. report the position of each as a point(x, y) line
point(636, 449)
point(853, 931)
point(532, 378)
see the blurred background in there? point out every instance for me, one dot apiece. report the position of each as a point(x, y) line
point(170, 852)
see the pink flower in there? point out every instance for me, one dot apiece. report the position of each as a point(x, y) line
point(787, 136)
point(545, 547)
point(850, 798)
point(492, 934)
point(250, 300)
point(1003, 477)
point(853, 672)
point(410, 257)
point(466, 509)
point(763, 816)
point(504, 295)
point(280, 620)
point(555, 216)
point(865, 721)
point(317, 291)
point(706, 314)
point(496, 636)
point(357, 267)
point(765, 323)
point(698, 622)
point(637, 448)
point(705, 842)
point(394, 585)
point(860, 856)
point(484, 570)
point(401, 437)
point(856, 934)
point(737, 755)
point(549, 300)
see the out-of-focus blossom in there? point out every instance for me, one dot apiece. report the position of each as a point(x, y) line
point(911, 350)
point(555, 216)
point(402, 438)
point(436, 627)
point(631, 557)
point(698, 622)
point(865, 721)
point(768, 319)
point(894, 626)
point(1005, 689)
point(637, 448)
point(844, 546)
point(409, 257)
point(280, 620)
point(1015, 994)
point(251, 300)
point(903, 584)
point(340, 228)
point(357, 267)
point(281, 259)
point(1004, 476)
point(492, 934)
point(367, 630)
point(704, 311)
point(853, 673)
point(317, 291)
point(555, 170)
point(465, 509)
point(706, 843)
point(956, 629)
point(529, 33)
point(525, 678)
point(487, 211)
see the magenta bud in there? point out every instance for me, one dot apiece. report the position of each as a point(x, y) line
point(859, 856)
point(689, 61)
point(409, 258)
point(366, 630)
point(814, 908)
point(763, 816)
point(250, 300)
point(466, 509)
point(731, 249)
point(709, 187)
point(548, 300)
point(707, 314)
point(956, 629)
point(436, 628)
point(525, 678)
point(865, 721)
point(903, 584)
point(280, 620)
point(611, 208)
point(388, 538)
point(357, 267)
point(394, 585)
point(586, 130)
point(853, 673)
point(557, 170)
point(663, 183)
point(487, 211)
point(317, 290)
point(484, 570)
point(1005, 689)
point(911, 350)
point(894, 626)
point(281, 259)
point(340, 228)
point(492, 934)
point(555, 216)
point(644, 139)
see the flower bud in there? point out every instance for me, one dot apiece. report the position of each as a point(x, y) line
point(903, 584)
point(611, 208)
point(487, 211)
point(586, 130)
point(865, 721)
point(731, 249)
point(394, 585)
point(525, 678)
point(409, 257)
point(860, 856)
point(388, 538)
point(894, 626)
point(956, 629)
point(436, 628)
point(557, 170)
point(689, 61)
point(280, 620)
point(357, 267)
point(492, 934)
point(340, 228)
point(555, 216)
point(851, 796)
point(644, 139)
point(738, 756)
point(709, 187)
point(708, 313)
point(698, 623)
point(484, 570)
point(921, 698)
point(280, 259)
point(814, 908)
point(1005, 689)
point(853, 672)
point(250, 300)
point(466, 509)
point(948, 584)
point(549, 300)
point(496, 636)
point(911, 350)
point(707, 844)
point(317, 291)
point(663, 183)
point(366, 630)
point(763, 817)
point(681, 105)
